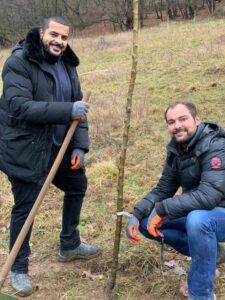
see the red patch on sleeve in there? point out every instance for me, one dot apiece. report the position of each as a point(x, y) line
point(216, 163)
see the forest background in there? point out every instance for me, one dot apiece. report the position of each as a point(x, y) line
point(95, 16)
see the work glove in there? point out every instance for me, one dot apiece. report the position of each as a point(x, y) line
point(132, 230)
point(79, 110)
point(77, 159)
point(154, 223)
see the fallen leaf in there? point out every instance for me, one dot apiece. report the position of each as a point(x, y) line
point(176, 268)
point(179, 270)
point(88, 275)
point(170, 263)
point(3, 229)
point(184, 289)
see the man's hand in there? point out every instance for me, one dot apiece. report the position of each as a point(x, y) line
point(77, 159)
point(80, 110)
point(154, 223)
point(132, 230)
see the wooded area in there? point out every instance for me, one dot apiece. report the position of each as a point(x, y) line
point(18, 15)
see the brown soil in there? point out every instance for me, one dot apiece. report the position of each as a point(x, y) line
point(49, 278)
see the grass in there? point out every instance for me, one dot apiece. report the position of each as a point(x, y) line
point(175, 60)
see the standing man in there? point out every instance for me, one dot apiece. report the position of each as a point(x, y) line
point(41, 96)
point(193, 223)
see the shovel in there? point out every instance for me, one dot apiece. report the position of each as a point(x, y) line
point(16, 247)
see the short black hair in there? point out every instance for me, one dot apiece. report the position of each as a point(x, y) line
point(56, 19)
point(188, 104)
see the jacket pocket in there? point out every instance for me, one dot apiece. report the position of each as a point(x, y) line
point(21, 154)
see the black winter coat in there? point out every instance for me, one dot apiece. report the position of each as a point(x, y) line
point(199, 171)
point(28, 111)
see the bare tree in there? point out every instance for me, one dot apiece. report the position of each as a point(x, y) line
point(122, 158)
point(80, 12)
point(118, 12)
point(18, 15)
point(211, 6)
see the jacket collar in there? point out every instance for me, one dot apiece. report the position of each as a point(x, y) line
point(33, 49)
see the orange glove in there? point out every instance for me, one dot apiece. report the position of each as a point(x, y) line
point(154, 223)
point(77, 159)
point(132, 230)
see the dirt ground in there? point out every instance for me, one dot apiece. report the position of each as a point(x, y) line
point(52, 280)
point(49, 278)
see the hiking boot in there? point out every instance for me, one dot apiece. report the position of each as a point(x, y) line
point(84, 251)
point(220, 254)
point(21, 284)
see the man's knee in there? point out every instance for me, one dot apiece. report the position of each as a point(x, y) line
point(198, 221)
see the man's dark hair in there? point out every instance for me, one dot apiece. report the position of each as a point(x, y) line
point(56, 19)
point(188, 104)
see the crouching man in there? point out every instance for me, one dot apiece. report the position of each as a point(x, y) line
point(193, 223)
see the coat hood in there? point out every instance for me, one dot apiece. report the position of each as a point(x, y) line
point(33, 49)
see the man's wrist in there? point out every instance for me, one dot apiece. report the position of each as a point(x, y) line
point(78, 150)
point(138, 214)
point(160, 210)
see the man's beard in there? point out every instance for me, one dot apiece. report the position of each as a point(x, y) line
point(55, 44)
point(185, 140)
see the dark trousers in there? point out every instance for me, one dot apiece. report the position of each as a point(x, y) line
point(72, 183)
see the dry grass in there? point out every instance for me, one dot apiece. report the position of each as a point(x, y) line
point(175, 60)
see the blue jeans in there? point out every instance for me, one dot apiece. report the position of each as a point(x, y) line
point(195, 235)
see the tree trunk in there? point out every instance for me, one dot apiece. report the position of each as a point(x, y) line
point(122, 159)
point(161, 10)
point(56, 7)
point(141, 9)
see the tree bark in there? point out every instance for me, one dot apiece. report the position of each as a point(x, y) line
point(122, 158)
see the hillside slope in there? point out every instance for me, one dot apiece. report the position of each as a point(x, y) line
point(175, 60)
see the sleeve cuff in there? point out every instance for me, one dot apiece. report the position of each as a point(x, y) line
point(160, 210)
point(138, 214)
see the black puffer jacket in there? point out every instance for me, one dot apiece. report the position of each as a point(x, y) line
point(28, 110)
point(199, 171)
